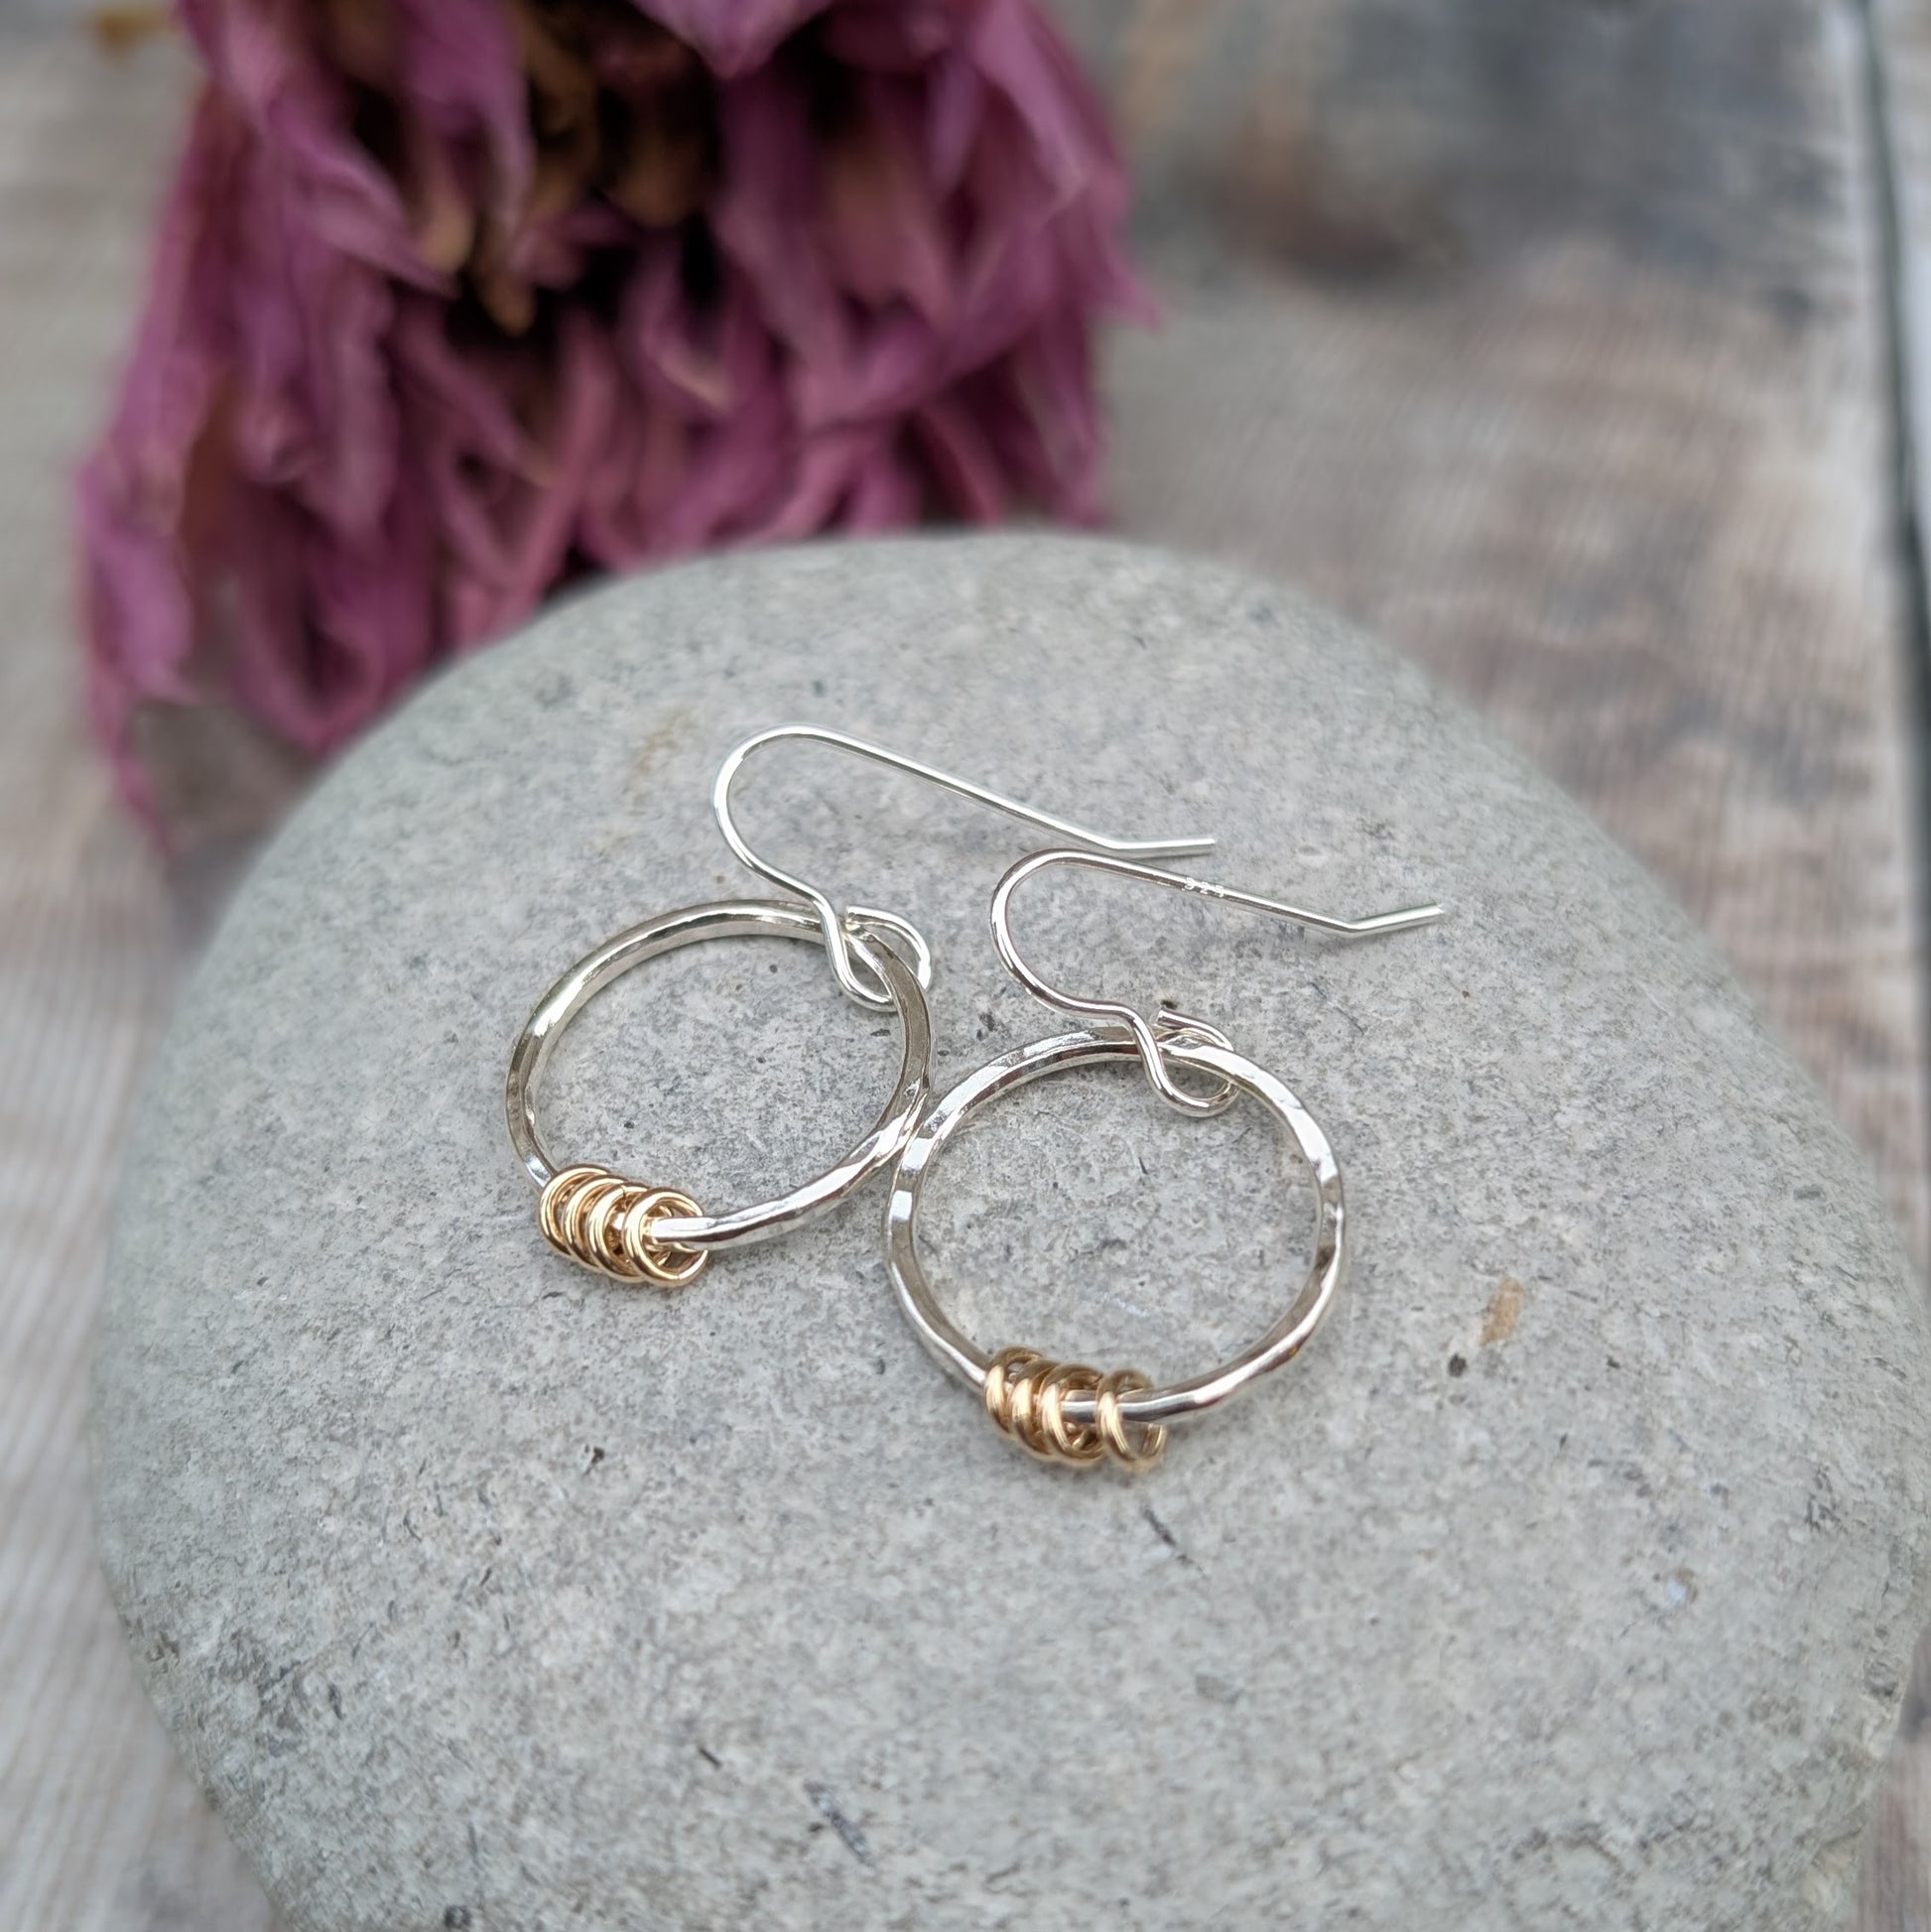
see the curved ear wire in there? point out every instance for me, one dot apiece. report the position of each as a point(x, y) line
point(1171, 1024)
point(836, 949)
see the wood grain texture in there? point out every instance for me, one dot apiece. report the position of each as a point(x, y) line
point(1896, 1892)
point(101, 1829)
point(1546, 338)
point(1548, 341)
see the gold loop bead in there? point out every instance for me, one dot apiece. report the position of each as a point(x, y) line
point(603, 1220)
point(666, 1263)
point(1025, 1395)
point(1133, 1446)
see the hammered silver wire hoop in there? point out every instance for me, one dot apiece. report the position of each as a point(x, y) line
point(661, 1225)
point(1069, 1413)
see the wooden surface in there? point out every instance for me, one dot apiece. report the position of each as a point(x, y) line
point(1549, 340)
point(1897, 1890)
point(99, 1828)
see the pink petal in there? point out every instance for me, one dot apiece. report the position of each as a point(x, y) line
point(883, 232)
point(734, 36)
point(329, 466)
point(964, 463)
point(764, 215)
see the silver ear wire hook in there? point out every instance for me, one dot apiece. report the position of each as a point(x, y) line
point(835, 925)
point(1172, 1024)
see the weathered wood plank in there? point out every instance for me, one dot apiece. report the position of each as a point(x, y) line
point(1897, 1890)
point(1548, 341)
point(103, 1831)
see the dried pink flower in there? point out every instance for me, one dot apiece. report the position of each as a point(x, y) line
point(457, 298)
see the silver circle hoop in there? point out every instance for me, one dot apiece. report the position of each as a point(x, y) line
point(1065, 1412)
point(636, 1233)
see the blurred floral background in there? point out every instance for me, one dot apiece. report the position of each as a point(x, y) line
point(456, 299)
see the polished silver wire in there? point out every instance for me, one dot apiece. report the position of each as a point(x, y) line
point(1285, 1340)
point(835, 925)
point(728, 919)
point(1159, 1040)
point(1072, 1414)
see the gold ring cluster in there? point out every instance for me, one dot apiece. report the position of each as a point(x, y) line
point(603, 1220)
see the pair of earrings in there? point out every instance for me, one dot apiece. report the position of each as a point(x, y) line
point(1058, 1411)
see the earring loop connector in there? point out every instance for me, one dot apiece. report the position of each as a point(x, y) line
point(1156, 1039)
point(833, 924)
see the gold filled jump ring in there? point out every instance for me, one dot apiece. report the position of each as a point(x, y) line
point(1066, 1412)
point(633, 1232)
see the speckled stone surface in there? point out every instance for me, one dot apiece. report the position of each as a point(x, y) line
point(1566, 1579)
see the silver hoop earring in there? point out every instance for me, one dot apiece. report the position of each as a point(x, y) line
point(638, 1233)
point(1066, 1412)
point(634, 1232)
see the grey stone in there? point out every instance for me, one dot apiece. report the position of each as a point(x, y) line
point(1566, 1579)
